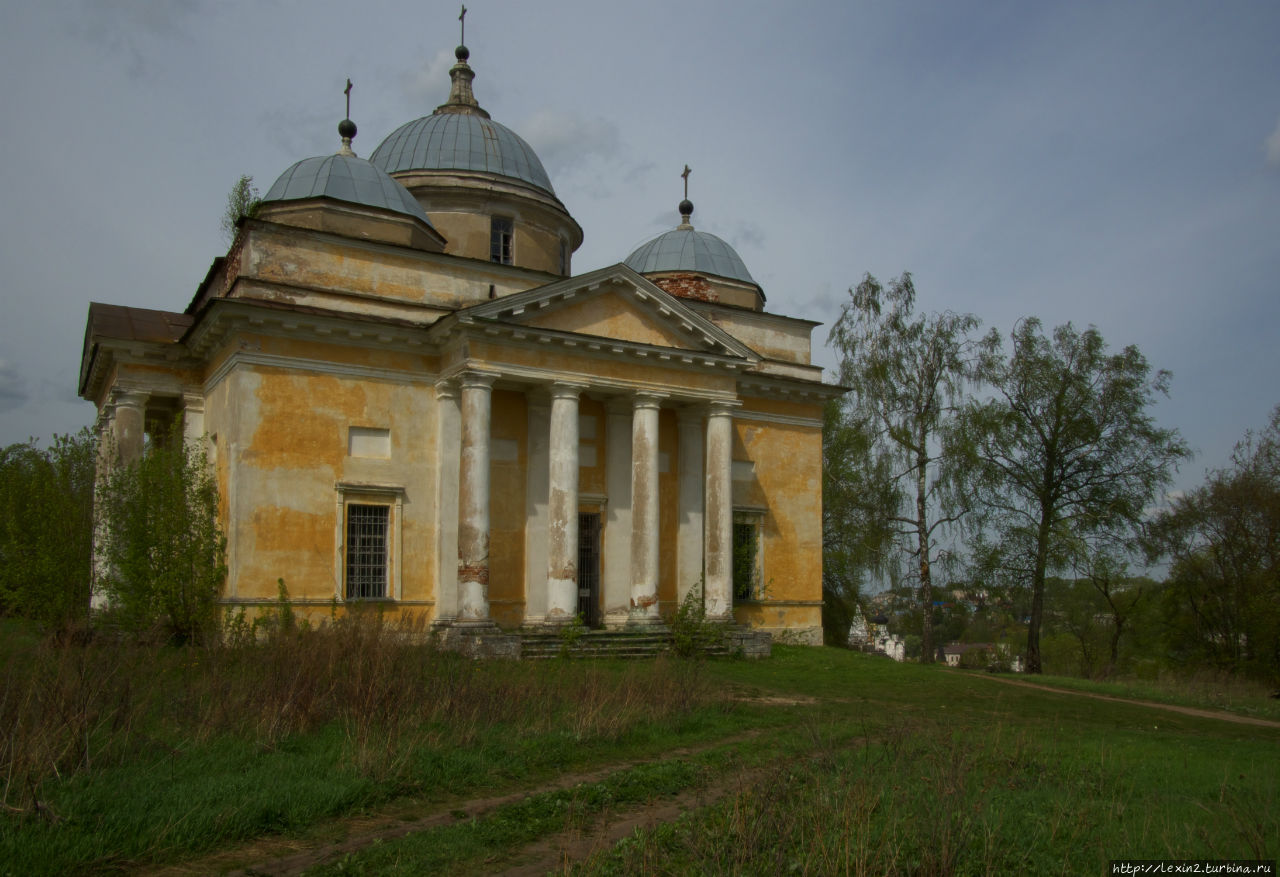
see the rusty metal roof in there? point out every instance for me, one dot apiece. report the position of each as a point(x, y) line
point(135, 324)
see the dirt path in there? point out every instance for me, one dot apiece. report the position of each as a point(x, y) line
point(279, 856)
point(1168, 707)
point(556, 852)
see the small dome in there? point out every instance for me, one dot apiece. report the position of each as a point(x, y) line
point(461, 141)
point(344, 178)
point(687, 249)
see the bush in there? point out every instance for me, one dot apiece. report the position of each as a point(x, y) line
point(161, 546)
point(46, 529)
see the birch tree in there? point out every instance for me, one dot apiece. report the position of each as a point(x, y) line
point(908, 374)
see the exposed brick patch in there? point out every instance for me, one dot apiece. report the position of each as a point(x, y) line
point(232, 264)
point(693, 286)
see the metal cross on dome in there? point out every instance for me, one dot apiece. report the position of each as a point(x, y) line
point(463, 18)
point(347, 92)
point(686, 181)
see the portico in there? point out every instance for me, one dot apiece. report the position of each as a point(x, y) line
point(631, 512)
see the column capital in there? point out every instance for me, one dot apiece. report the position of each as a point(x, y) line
point(646, 399)
point(193, 400)
point(723, 407)
point(447, 389)
point(566, 390)
point(476, 380)
point(128, 396)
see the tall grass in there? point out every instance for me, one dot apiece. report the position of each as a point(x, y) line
point(68, 709)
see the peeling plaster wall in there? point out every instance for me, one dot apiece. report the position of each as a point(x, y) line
point(668, 510)
point(282, 445)
point(611, 316)
point(507, 480)
point(786, 482)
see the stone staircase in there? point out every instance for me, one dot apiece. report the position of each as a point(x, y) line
point(539, 645)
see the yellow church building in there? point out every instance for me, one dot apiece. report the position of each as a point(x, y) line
point(409, 399)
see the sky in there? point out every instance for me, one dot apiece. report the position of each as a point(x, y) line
point(1108, 164)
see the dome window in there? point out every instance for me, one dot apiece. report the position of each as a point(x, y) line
point(501, 233)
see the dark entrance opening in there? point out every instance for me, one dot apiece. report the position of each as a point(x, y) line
point(589, 568)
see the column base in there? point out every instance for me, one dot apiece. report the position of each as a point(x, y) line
point(480, 639)
point(644, 623)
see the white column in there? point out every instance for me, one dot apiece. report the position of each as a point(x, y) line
point(562, 506)
point(535, 505)
point(129, 424)
point(689, 537)
point(193, 431)
point(473, 500)
point(617, 526)
point(719, 512)
point(448, 443)
point(644, 509)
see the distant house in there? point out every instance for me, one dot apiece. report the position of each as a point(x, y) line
point(996, 654)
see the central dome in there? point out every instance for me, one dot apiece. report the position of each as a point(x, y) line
point(461, 141)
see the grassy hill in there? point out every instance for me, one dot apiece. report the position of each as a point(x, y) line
point(816, 761)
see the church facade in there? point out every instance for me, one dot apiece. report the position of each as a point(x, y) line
point(410, 400)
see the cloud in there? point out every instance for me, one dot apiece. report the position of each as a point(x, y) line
point(128, 27)
point(13, 388)
point(429, 83)
point(566, 142)
point(1273, 146)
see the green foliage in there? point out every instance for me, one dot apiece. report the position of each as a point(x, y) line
point(46, 529)
point(1222, 600)
point(692, 634)
point(242, 200)
point(857, 492)
point(162, 548)
point(1066, 451)
point(571, 633)
point(908, 375)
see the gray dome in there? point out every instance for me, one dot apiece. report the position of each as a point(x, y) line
point(344, 178)
point(461, 141)
point(686, 249)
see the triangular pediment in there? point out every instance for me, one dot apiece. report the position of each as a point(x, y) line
point(614, 304)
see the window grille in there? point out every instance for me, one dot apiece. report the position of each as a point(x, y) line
point(367, 531)
point(500, 233)
point(588, 565)
point(746, 558)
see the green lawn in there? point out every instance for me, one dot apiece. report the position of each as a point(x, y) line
point(815, 761)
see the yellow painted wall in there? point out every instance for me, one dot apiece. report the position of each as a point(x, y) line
point(507, 481)
point(609, 315)
point(282, 447)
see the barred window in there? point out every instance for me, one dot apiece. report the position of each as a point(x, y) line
point(500, 233)
point(367, 550)
point(746, 557)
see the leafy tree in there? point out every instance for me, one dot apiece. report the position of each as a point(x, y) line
point(1067, 449)
point(242, 200)
point(908, 374)
point(1222, 597)
point(857, 499)
point(46, 528)
point(162, 548)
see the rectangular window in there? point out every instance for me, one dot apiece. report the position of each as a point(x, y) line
point(564, 258)
point(746, 557)
point(500, 233)
point(368, 531)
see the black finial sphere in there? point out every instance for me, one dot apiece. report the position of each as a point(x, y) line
point(462, 53)
point(346, 128)
point(686, 207)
